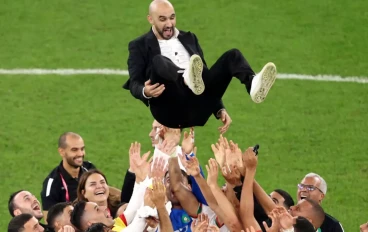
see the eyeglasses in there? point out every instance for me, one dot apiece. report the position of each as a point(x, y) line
point(309, 188)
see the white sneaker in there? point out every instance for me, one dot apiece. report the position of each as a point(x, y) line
point(262, 82)
point(193, 75)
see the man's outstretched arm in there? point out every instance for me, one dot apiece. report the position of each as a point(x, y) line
point(137, 71)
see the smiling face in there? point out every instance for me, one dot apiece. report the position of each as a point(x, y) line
point(74, 151)
point(26, 202)
point(96, 189)
point(309, 188)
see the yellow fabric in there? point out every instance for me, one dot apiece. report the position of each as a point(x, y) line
point(119, 225)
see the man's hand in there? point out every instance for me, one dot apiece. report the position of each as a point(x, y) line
point(219, 152)
point(141, 165)
point(67, 229)
point(364, 227)
point(158, 193)
point(187, 144)
point(232, 175)
point(226, 120)
point(201, 224)
point(275, 227)
point(148, 199)
point(192, 167)
point(285, 219)
point(167, 146)
point(134, 153)
point(153, 90)
point(212, 171)
point(251, 229)
point(159, 168)
point(250, 159)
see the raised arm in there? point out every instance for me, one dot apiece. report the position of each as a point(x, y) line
point(246, 201)
point(186, 198)
point(231, 221)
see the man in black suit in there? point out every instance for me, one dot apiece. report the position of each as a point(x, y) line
point(168, 73)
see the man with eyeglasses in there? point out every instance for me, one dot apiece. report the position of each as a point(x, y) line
point(314, 187)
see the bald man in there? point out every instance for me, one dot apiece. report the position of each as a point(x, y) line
point(168, 73)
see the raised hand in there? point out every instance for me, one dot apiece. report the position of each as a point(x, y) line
point(219, 152)
point(201, 224)
point(250, 159)
point(67, 229)
point(159, 168)
point(140, 164)
point(275, 227)
point(134, 152)
point(232, 175)
point(285, 219)
point(251, 229)
point(212, 171)
point(192, 167)
point(187, 144)
point(168, 147)
point(158, 193)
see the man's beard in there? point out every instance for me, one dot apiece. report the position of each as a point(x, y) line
point(71, 162)
point(162, 34)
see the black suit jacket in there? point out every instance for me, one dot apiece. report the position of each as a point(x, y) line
point(141, 52)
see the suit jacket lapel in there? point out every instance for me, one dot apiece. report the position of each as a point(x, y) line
point(153, 44)
point(185, 39)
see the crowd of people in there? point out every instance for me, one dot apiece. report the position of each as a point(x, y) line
point(168, 191)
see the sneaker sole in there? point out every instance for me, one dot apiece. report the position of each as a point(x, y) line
point(195, 75)
point(268, 78)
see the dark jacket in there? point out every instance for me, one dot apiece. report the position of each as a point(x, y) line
point(174, 114)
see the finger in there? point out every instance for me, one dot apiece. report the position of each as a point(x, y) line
point(148, 82)
point(145, 156)
point(157, 88)
point(151, 87)
point(214, 148)
point(208, 169)
point(266, 226)
point(195, 151)
point(150, 159)
point(158, 93)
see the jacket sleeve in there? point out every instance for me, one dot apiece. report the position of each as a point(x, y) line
point(219, 105)
point(136, 68)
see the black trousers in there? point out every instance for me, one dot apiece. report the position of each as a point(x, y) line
point(178, 107)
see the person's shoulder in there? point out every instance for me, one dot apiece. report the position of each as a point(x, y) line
point(184, 32)
point(88, 165)
point(53, 174)
point(141, 38)
point(332, 222)
point(330, 218)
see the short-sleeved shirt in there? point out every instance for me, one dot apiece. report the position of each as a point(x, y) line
point(55, 190)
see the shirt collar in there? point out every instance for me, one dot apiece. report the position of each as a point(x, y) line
point(66, 175)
